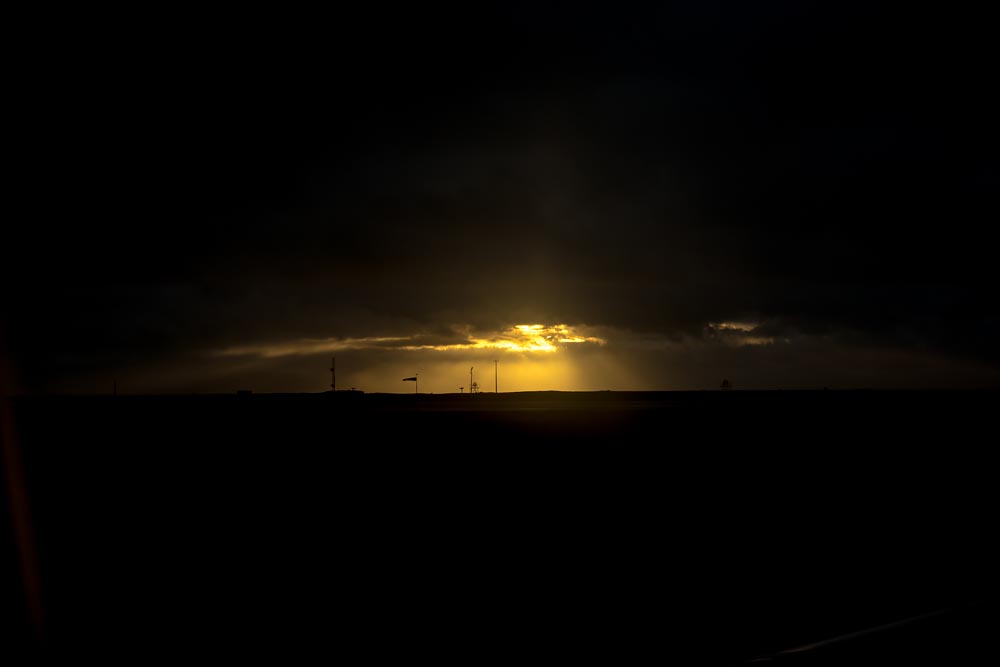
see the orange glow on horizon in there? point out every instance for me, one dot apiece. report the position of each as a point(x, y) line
point(532, 357)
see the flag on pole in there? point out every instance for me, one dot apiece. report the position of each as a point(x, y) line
point(412, 379)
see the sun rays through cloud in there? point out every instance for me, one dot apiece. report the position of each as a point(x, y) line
point(517, 338)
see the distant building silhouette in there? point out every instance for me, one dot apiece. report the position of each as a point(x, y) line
point(726, 385)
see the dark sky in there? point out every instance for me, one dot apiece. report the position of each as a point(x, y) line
point(785, 194)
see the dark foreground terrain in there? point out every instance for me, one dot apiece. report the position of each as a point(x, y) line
point(692, 528)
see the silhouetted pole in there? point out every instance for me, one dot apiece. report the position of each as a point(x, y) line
point(333, 373)
point(496, 382)
point(471, 383)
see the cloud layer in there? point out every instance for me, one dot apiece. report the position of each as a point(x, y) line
point(662, 175)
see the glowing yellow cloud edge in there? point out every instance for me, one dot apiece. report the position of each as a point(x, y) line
point(518, 338)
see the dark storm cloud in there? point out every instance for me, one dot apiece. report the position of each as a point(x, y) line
point(822, 173)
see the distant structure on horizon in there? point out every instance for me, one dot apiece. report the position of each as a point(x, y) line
point(333, 374)
point(726, 385)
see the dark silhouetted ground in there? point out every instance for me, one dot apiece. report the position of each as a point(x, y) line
point(697, 528)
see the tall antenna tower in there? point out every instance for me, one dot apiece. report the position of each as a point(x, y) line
point(472, 384)
point(333, 374)
point(496, 383)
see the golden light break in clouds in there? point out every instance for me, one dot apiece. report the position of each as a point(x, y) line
point(518, 338)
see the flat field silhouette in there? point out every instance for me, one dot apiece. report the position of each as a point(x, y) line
point(702, 527)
